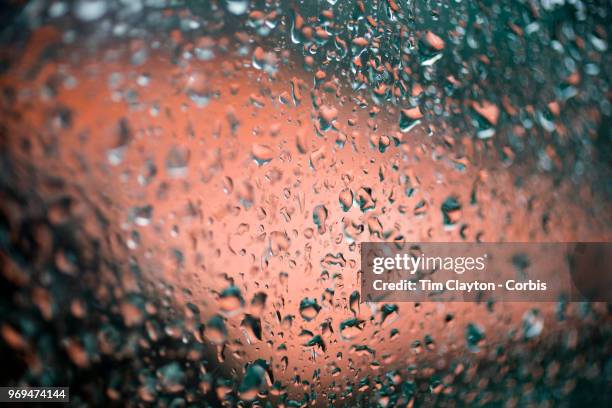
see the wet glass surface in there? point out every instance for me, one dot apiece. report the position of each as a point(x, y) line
point(184, 187)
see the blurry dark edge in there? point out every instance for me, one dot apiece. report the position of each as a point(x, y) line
point(21, 184)
point(27, 191)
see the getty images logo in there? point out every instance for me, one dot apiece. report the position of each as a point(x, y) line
point(412, 264)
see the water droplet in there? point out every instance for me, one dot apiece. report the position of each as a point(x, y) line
point(141, 216)
point(474, 335)
point(365, 200)
point(90, 10)
point(316, 341)
point(177, 161)
point(451, 211)
point(309, 309)
point(231, 300)
point(253, 381)
point(171, 377)
point(346, 199)
point(237, 7)
point(215, 330)
point(327, 116)
point(354, 302)
point(388, 310)
point(262, 153)
point(252, 327)
point(351, 328)
point(148, 171)
point(319, 216)
point(533, 323)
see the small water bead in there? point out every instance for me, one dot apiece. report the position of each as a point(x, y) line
point(231, 300)
point(216, 330)
point(90, 10)
point(346, 199)
point(309, 309)
point(474, 337)
point(262, 153)
point(533, 323)
point(319, 216)
point(177, 161)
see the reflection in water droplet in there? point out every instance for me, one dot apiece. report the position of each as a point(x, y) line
point(388, 313)
point(141, 216)
point(317, 343)
point(231, 300)
point(262, 153)
point(533, 323)
point(346, 199)
point(215, 330)
point(451, 211)
point(90, 10)
point(409, 118)
point(177, 161)
point(309, 309)
point(474, 335)
point(319, 216)
point(351, 328)
point(252, 382)
point(237, 7)
point(171, 377)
